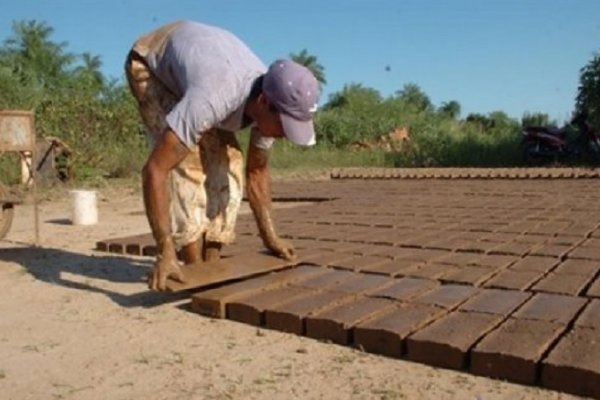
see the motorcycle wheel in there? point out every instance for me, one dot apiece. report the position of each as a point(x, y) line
point(6, 215)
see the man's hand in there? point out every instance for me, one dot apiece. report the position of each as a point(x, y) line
point(166, 266)
point(168, 152)
point(282, 248)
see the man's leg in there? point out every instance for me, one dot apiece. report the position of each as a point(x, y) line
point(155, 101)
point(222, 160)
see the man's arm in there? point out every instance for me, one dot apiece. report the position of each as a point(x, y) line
point(259, 196)
point(167, 153)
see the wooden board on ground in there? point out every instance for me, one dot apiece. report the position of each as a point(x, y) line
point(227, 270)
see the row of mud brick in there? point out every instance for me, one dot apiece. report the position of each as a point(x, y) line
point(528, 338)
point(498, 277)
point(465, 173)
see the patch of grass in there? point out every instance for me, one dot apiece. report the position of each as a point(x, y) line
point(344, 359)
point(263, 381)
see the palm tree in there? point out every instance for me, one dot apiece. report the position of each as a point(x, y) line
point(91, 69)
point(451, 109)
point(412, 95)
point(310, 62)
point(33, 56)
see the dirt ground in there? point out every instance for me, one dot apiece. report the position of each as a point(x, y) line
point(78, 324)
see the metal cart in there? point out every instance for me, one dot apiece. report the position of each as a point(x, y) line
point(17, 134)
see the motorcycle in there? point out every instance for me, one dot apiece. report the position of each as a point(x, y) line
point(550, 144)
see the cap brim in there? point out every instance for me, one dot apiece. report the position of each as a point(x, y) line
point(298, 132)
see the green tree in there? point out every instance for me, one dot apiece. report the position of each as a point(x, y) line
point(33, 58)
point(310, 62)
point(536, 119)
point(412, 95)
point(354, 96)
point(450, 109)
point(588, 94)
point(89, 73)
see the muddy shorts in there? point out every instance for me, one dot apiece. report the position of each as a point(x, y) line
point(206, 188)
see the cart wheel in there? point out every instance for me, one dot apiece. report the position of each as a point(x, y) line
point(6, 217)
point(6, 214)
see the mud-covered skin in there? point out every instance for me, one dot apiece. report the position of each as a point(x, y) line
point(192, 196)
point(167, 153)
point(259, 197)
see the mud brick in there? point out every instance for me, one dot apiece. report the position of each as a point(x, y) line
point(306, 256)
point(590, 317)
point(323, 281)
point(302, 244)
point(102, 245)
point(534, 239)
point(353, 248)
point(535, 264)
point(447, 237)
point(552, 250)
point(500, 238)
point(428, 255)
point(289, 317)
point(477, 247)
point(585, 252)
point(250, 309)
point(447, 296)
point(386, 334)
point(492, 301)
point(594, 289)
point(579, 229)
point(362, 284)
point(359, 262)
point(116, 246)
point(551, 228)
point(513, 350)
point(467, 275)
point(429, 270)
point(328, 258)
point(149, 250)
point(551, 307)
point(390, 237)
point(578, 267)
point(136, 244)
point(449, 243)
point(392, 252)
point(212, 302)
point(512, 248)
point(496, 261)
point(392, 268)
point(335, 324)
point(447, 341)
point(405, 289)
point(573, 366)
point(567, 240)
point(562, 284)
point(510, 279)
point(460, 259)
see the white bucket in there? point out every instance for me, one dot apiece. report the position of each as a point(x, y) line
point(85, 209)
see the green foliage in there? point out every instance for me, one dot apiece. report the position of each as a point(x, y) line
point(450, 109)
point(536, 119)
point(359, 114)
point(588, 94)
point(73, 101)
point(412, 95)
point(99, 120)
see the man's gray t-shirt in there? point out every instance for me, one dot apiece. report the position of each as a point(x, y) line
point(211, 71)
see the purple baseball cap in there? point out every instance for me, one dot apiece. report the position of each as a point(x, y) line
point(294, 91)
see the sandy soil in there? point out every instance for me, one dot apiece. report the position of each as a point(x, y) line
point(78, 324)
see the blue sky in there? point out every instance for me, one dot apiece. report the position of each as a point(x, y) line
point(509, 55)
